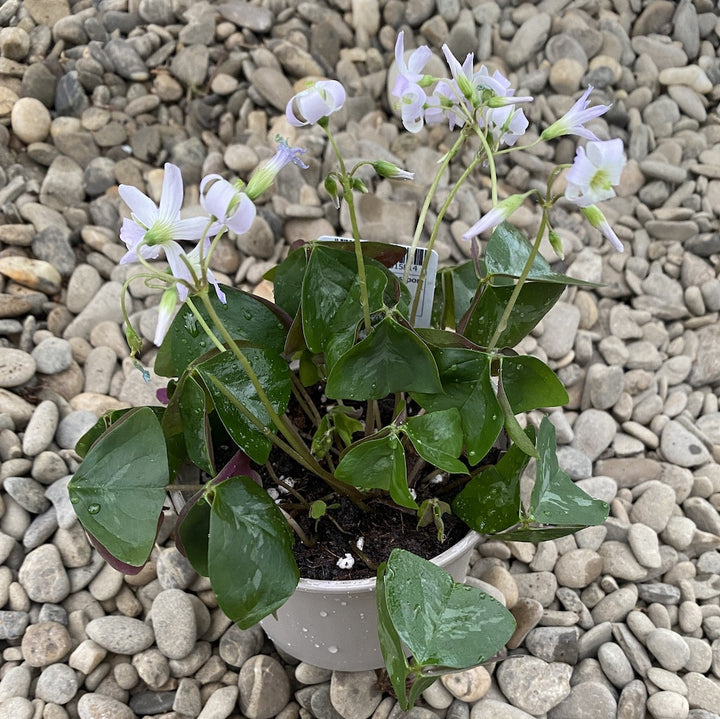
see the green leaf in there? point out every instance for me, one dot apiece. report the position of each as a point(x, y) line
point(442, 623)
point(287, 279)
point(437, 438)
point(195, 423)
point(508, 250)
point(465, 376)
point(329, 278)
point(246, 318)
point(96, 431)
point(530, 383)
point(230, 388)
point(392, 358)
point(345, 425)
point(343, 327)
point(194, 530)
point(390, 645)
point(512, 426)
point(535, 300)
point(377, 463)
point(555, 498)
point(490, 501)
point(119, 490)
point(250, 561)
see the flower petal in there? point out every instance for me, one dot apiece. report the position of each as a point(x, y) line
point(141, 206)
point(172, 193)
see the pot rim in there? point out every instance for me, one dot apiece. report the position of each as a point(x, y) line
point(343, 586)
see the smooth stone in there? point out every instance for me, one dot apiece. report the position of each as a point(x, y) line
point(122, 635)
point(238, 645)
point(73, 426)
point(615, 664)
point(668, 705)
point(45, 643)
point(680, 446)
point(493, 709)
point(28, 493)
point(355, 695)
point(41, 428)
point(32, 273)
point(52, 355)
point(264, 687)
point(578, 568)
point(554, 644)
point(668, 648)
point(173, 621)
point(654, 506)
point(703, 693)
point(532, 684)
point(30, 120)
point(16, 367)
point(587, 700)
point(58, 683)
point(468, 686)
point(99, 706)
point(43, 575)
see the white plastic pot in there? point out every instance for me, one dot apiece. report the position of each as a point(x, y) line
point(333, 624)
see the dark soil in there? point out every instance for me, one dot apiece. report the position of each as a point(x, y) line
point(383, 527)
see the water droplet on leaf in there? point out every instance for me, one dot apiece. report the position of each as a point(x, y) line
point(93, 508)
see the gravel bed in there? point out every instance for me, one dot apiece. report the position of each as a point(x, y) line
point(619, 621)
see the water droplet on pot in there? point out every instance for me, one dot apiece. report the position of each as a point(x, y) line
point(93, 508)
point(333, 649)
point(323, 614)
point(343, 604)
point(305, 629)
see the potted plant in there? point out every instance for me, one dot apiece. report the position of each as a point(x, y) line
point(374, 403)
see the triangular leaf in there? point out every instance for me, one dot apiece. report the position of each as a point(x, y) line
point(118, 491)
point(377, 463)
point(467, 386)
point(392, 358)
point(529, 384)
point(507, 252)
point(230, 388)
point(245, 316)
point(555, 498)
point(490, 501)
point(437, 438)
point(250, 560)
point(441, 622)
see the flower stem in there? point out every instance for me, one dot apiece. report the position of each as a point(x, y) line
point(502, 324)
point(346, 180)
point(449, 155)
point(204, 325)
point(434, 234)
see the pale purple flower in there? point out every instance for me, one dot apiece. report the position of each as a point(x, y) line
point(412, 103)
point(498, 214)
point(193, 258)
point(265, 175)
point(573, 121)
point(439, 106)
point(410, 73)
point(596, 168)
point(226, 202)
point(598, 221)
point(319, 100)
point(153, 229)
point(505, 124)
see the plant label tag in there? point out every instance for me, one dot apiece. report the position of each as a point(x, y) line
point(424, 310)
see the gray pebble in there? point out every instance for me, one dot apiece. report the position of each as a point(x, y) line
point(41, 428)
point(355, 694)
point(668, 648)
point(73, 426)
point(264, 687)
point(28, 493)
point(173, 620)
point(97, 706)
point(43, 576)
point(57, 683)
point(221, 703)
point(52, 355)
point(16, 367)
point(533, 685)
point(122, 635)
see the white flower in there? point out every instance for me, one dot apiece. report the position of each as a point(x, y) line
point(498, 214)
point(598, 221)
point(572, 122)
point(596, 168)
point(320, 100)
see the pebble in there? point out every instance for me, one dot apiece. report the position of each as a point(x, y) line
point(45, 643)
point(265, 687)
point(43, 575)
point(173, 621)
point(668, 648)
point(533, 685)
point(121, 635)
point(40, 430)
point(30, 120)
point(16, 367)
point(354, 695)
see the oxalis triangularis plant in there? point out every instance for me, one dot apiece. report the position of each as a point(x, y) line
point(385, 378)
